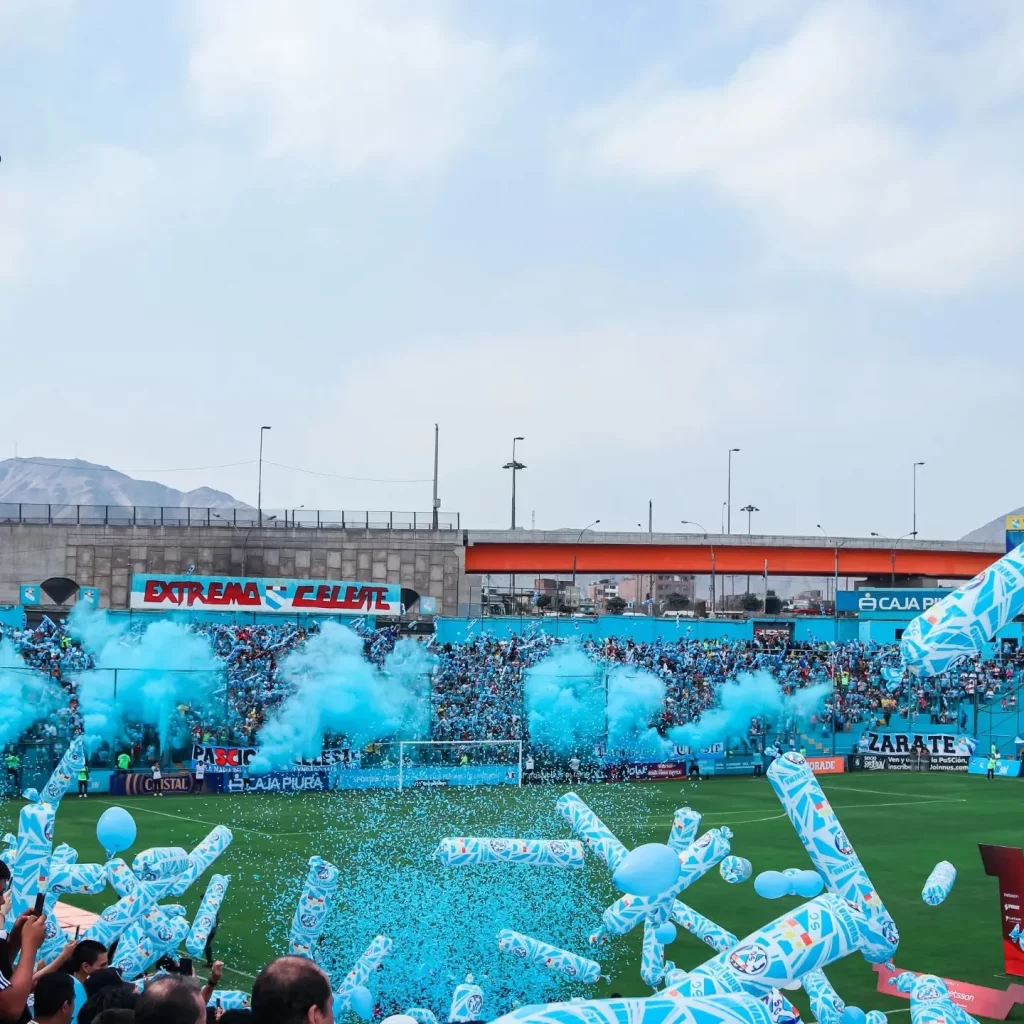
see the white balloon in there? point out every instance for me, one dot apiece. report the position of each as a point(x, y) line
point(399, 1018)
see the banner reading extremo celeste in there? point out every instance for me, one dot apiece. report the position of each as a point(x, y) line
point(170, 592)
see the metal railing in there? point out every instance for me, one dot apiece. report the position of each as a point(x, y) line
point(241, 518)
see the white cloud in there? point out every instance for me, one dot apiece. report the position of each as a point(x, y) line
point(350, 83)
point(862, 142)
point(48, 212)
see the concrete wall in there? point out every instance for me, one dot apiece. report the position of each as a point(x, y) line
point(106, 556)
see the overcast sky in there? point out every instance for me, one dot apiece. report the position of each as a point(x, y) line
point(636, 233)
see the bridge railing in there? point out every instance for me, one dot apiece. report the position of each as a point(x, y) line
point(237, 518)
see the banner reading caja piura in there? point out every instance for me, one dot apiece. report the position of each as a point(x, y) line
point(169, 592)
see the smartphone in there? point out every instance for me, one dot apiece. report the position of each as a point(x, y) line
point(78, 931)
point(40, 900)
point(185, 967)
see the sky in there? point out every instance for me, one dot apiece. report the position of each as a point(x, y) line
point(637, 235)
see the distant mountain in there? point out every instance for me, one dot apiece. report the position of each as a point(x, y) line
point(993, 532)
point(74, 482)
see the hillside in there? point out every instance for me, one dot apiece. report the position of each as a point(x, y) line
point(75, 482)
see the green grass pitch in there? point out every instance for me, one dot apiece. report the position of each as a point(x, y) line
point(900, 824)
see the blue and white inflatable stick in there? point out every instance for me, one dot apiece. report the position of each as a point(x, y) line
point(134, 948)
point(728, 1009)
point(713, 935)
point(685, 823)
point(202, 857)
point(652, 959)
point(313, 907)
point(809, 937)
point(63, 854)
point(65, 877)
point(138, 951)
point(458, 851)
point(831, 851)
point(543, 954)
point(939, 884)
point(826, 1005)
point(875, 1017)
point(421, 1015)
point(467, 1002)
point(31, 857)
point(160, 862)
point(596, 836)
point(735, 870)
point(963, 622)
point(206, 915)
point(121, 877)
point(116, 919)
point(67, 768)
point(362, 971)
point(930, 1002)
point(695, 862)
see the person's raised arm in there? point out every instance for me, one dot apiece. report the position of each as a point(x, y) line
point(16, 989)
point(216, 973)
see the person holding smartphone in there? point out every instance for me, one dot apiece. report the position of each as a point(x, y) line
point(26, 937)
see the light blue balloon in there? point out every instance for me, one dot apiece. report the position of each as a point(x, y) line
point(771, 885)
point(115, 830)
point(648, 870)
point(808, 884)
point(853, 1015)
point(361, 1000)
point(666, 933)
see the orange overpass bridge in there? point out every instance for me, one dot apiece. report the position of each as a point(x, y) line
point(564, 551)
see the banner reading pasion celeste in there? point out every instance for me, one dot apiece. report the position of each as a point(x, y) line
point(268, 596)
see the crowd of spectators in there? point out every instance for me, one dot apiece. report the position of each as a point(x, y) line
point(78, 987)
point(477, 686)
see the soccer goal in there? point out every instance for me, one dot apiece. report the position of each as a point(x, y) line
point(425, 763)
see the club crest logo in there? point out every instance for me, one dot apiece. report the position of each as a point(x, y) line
point(749, 960)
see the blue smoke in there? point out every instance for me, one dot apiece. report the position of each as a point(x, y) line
point(159, 674)
point(25, 694)
point(565, 701)
point(750, 695)
point(635, 698)
point(570, 709)
point(334, 689)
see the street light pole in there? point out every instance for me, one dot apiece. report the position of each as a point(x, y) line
point(259, 486)
point(728, 494)
point(750, 510)
point(825, 534)
point(578, 539)
point(514, 466)
point(892, 555)
point(914, 531)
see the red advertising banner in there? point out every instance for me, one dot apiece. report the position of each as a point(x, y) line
point(978, 1000)
point(827, 765)
point(1007, 864)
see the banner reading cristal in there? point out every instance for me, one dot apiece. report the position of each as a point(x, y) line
point(167, 592)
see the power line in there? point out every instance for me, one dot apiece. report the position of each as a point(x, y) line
point(335, 476)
